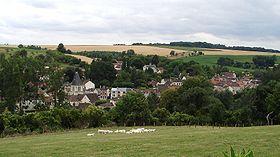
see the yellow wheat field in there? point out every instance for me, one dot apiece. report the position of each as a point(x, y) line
point(82, 58)
point(151, 50)
point(145, 50)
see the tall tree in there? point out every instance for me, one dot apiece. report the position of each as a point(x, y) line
point(133, 108)
point(61, 48)
point(102, 73)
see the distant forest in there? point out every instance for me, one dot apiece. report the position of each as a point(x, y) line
point(212, 46)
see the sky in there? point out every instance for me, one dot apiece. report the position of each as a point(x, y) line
point(230, 22)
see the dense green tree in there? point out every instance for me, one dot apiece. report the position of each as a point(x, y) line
point(273, 101)
point(264, 61)
point(55, 86)
point(172, 53)
point(225, 61)
point(61, 48)
point(161, 114)
point(155, 60)
point(17, 76)
point(195, 96)
point(95, 116)
point(20, 46)
point(169, 100)
point(216, 111)
point(153, 101)
point(130, 52)
point(137, 62)
point(226, 97)
point(102, 73)
point(132, 108)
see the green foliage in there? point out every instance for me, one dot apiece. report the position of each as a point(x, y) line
point(161, 114)
point(102, 73)
point(264, 61)
point(224, 61)
point(95, 116)
point(61, 48)
point(243, 153)
point(52, 120)
point(180, 119)
point(169, 100)
point(132, 108)
point(153, 101)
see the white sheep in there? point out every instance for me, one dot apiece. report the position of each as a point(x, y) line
point(90, 134)
point(129, 132)
point(105, 131)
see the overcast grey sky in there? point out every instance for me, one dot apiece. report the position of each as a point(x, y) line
point(231, 22)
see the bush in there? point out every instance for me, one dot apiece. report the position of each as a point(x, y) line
point(95, 116)
point(180, 119)
point(160, 115)
point(243, 153)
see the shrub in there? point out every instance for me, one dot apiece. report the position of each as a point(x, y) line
point(243, 153)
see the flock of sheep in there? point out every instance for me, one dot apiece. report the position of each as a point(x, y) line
point(132, 131)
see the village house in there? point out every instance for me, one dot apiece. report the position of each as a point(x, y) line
point(151, 66)
point(81, 101)
point(147, 92)
point(81, 94)
point(118, 65)
point(119, 92)
point(107, 105)
point(103, 93)
point(173, 82)
point(77, 87)
point(41, 98)
point(229, 81)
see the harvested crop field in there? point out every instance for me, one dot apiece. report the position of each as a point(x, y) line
point(145, 50)
point(82, 58)
point(237, 52)
point(152, 50)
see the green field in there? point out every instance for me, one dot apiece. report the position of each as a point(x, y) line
point(166, 141)
point(211, 60)
point(31, 52)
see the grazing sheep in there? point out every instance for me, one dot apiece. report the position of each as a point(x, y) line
point(105, 131)
point(132, 131)
point(119, 131)
point(90, 134)
point(129, 132)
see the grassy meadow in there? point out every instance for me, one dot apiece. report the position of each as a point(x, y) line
point(211, 60)
point(166, 141)
point(12, 50)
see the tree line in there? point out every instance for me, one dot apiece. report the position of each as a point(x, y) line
point(257, 62)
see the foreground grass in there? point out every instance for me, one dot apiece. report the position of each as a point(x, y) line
point(166, 141)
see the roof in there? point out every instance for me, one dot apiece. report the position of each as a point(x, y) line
point(76, 98)
point(106, 105)
point(77, 80)
point(121, 89)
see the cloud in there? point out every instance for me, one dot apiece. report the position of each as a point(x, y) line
point(40, 3)
point(250, 22)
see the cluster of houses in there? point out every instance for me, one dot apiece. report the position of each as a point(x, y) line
point(229, 81)
point(153, 68)
point(82, 93)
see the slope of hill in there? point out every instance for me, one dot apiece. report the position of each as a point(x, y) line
point(145, 50)
point(166, 141)
point(155, 50)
